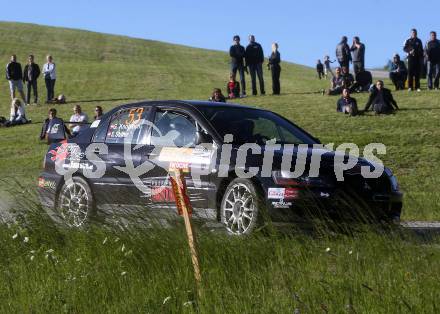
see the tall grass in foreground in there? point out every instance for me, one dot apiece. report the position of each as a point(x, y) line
point(48, 269)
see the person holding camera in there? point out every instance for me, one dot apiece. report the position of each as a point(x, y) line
point(358, 52)
point(414, 49)
point(274, 67)
point(50, 76)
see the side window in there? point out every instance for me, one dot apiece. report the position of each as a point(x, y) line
point(128, 126)
point(173, 129)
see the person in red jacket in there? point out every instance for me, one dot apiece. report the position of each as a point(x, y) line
point(233, 87)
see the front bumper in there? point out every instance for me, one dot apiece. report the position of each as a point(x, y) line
point(48, 187)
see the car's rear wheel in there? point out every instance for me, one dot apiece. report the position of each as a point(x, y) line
point(75, 203)
point(239, 208)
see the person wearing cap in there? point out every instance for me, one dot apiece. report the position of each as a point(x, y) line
point(254, 60)
point(398, 72)
point(414, 49)
point(237, 54)
point(79, 118)
point(432, 52)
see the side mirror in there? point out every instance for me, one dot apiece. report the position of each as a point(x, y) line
point(202, 137)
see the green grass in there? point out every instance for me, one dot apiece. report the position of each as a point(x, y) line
point(384, 274)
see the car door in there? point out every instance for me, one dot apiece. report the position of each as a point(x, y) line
point(172, 143)
point(119, 135)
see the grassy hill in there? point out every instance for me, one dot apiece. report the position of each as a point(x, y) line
point(98, 69)
point(368, 273)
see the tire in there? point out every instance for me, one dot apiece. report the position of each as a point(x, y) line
point(75, 204)
point(239, 209)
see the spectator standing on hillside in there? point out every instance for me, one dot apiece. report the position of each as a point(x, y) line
point(343, 53)
point(414, 49)
point(347, 104)
point(358, 55)
point(432, 52)
point(80, 118)
point(54, 129)
point(233, 87)
point(217, 96)
point(50, 76)
point(254, 60)
point(398, 72)
point(237, 53)
point(327, 67)
point(381, 99)
point(30, 75)
point(275, 68)
point(14, 75)
point(98, 113)
point(320, 69)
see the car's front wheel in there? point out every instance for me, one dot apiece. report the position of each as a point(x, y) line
point(75, 203)
point(239, 208)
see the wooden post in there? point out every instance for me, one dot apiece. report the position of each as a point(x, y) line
point(184, 209)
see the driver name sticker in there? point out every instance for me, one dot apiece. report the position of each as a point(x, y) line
point(275, 193)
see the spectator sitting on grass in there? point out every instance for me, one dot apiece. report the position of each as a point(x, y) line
point(347, 104)
point(337, 83)
point(348, 78)
point(217, 96)
point(363, 81)
point(398, 72)
point(79, 117)
point(98, 113)
point(54, 129)
point(381, 99)
point(233, 87)
point(18, 114)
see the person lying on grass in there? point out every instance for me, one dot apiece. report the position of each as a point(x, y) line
point(381, 99)
point(347, 104)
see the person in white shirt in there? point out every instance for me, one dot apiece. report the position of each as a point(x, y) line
point(18, 114)
point(78, 117)
point(50, 76)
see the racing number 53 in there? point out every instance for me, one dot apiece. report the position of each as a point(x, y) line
point(131, 115)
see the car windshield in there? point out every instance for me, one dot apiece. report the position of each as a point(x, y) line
point(254, 126)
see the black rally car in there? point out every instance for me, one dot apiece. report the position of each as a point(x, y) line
point(122, 162)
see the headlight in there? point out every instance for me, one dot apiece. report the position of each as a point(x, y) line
point(393, 179)
point(285, 178)
point(394, 183)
